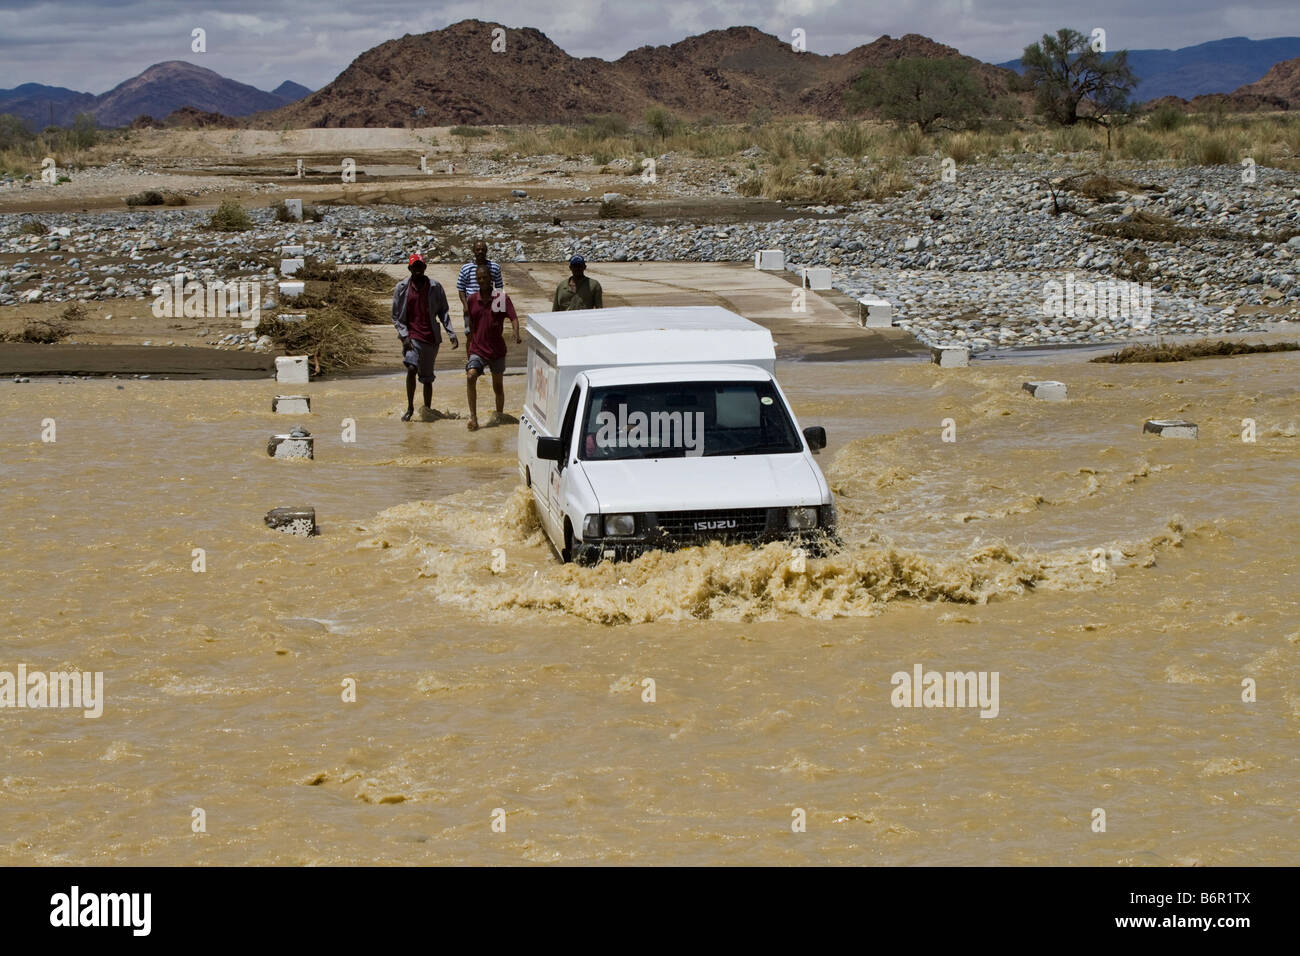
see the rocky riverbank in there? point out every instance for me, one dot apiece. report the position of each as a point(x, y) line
point(978, 260)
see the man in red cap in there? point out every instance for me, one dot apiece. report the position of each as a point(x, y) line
point(417, 301)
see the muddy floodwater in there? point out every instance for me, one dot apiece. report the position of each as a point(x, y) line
point(1121, 585)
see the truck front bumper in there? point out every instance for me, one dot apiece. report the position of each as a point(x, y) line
point(817, 543)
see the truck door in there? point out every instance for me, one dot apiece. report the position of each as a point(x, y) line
point(560, 474)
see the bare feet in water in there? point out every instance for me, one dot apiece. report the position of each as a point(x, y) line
point(409, 413)
point(472, 424)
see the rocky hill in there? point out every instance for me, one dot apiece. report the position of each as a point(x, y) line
point(730, 74)
point(1281, 82)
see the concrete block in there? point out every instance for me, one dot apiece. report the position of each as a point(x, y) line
point(875, 313)
point(299, 521)
point(1170, 428)
point(291, 317)
point(1046, 390)
point(294, 206)
point(291, 405)
point(950, 356)
point(292, 288)
point(769, 260)
point(290, 266)
point(289, 251)
point(297, 444)
point(292, 369)
point(816, 277)
point(249, 323)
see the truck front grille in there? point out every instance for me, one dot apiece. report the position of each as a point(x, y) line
point(718, 524)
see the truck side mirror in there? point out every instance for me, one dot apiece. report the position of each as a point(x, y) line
point(815, 434)
point(550, 449)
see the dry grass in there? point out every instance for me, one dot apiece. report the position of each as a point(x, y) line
point(1102, 188)
point(1196, 139)
point(1151, 227)
point(789, 182)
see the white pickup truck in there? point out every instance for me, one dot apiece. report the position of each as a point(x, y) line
point(650, 428)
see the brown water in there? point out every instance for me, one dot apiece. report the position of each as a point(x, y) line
point(1119, 688)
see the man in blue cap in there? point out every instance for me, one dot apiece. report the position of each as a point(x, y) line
point(578, 291)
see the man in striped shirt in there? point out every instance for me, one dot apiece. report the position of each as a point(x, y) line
point(467, 281)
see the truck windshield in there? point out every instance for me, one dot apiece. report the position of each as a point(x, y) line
point(686, 419)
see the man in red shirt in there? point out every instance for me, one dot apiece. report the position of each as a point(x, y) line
point(486, 312)
point(417, 301)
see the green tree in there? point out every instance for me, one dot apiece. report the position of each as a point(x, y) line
point(13, 132)
point(933, 94)
point(661, 122)
point(1076, 81)
point(84, 133)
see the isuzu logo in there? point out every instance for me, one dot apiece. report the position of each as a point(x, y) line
point(719, 525)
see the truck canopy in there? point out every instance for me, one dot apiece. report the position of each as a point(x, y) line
point(562, 344)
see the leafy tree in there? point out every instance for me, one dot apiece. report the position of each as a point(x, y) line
point(943, 94)
point(661, 122)
point(13, 132)
point(1075, 81)
point(84, 132)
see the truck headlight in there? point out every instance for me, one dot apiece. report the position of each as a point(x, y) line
point(620, 526)
point(801, 519)
point(591, 527)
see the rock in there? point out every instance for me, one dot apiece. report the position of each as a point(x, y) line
point(297, 521)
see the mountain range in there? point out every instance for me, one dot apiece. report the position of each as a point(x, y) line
point(158, 91)
point(1219, 66)
point(732, 74)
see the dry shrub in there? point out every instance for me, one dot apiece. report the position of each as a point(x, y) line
point(40, 332)
point(1192, 350)
point(377, 280)
point(357, 304)
point(329, 335)
point(230, 217)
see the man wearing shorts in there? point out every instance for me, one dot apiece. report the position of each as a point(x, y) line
point(417, 302)
point(487, 311)
point(467, 279)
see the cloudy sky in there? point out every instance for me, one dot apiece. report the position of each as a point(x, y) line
point(93, 45)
